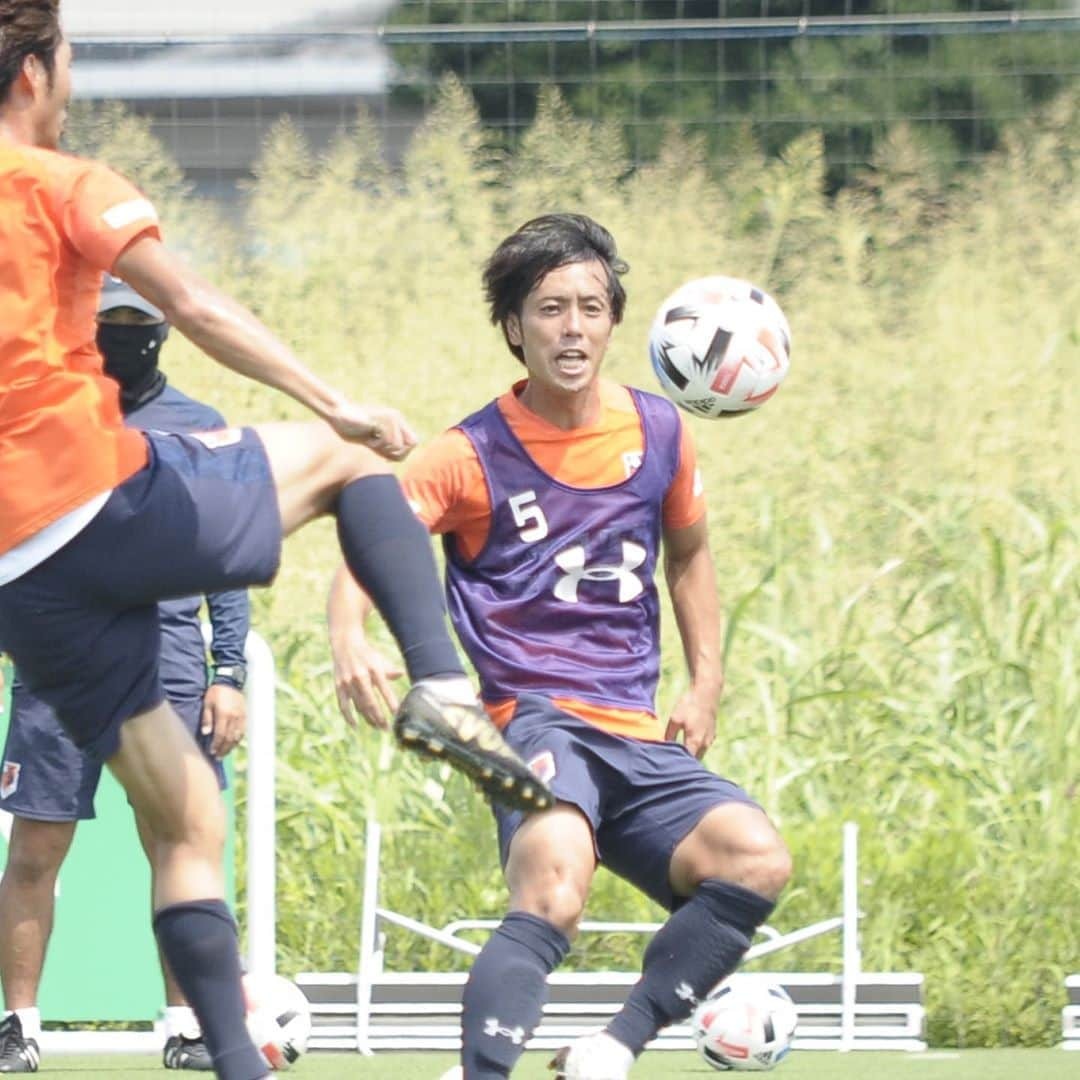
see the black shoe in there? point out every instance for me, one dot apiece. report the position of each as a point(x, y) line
point(16, 1053)
point(184, 1053)
point(464, 736)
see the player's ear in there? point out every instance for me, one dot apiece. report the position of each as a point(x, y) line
point(513, 330)
point(33, 75)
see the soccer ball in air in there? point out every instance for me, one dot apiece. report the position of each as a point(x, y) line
point(745, 1025)
point(278, 1018)
point(720, 346)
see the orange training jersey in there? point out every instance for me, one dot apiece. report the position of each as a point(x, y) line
point(446, 484)
point(63, 221)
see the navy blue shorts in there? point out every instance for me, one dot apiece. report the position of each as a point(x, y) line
point(641, 798)
point(82, 627)
point(46, 777)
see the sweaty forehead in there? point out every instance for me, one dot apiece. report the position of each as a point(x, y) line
point(573, 279)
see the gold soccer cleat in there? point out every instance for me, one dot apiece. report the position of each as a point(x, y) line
point(463, 736)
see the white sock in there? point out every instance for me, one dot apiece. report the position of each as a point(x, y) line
point(608, 1047)
point(623, 1053)
point(452, 689)
point(181, 1020)
point(31, 1022)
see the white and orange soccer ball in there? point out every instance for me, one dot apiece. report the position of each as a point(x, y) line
point(720, 346)
point(745, 1025)
point(278, 1019)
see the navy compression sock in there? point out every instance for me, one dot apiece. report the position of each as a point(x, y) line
point(505, 994)
point(389, 553)
point(698, 946)
point(198, 939)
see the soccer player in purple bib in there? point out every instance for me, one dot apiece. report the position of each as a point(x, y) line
point(556, 502)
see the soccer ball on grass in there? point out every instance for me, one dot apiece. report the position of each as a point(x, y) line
point(278, 1018)
point(720, 346)
point(745, 1025)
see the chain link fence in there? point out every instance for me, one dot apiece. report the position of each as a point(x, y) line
point(957, 79)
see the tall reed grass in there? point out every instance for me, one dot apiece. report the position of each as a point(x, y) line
point(895, 533)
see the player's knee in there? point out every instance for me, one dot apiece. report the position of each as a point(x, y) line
point(343, 462)
point(201, 830)
point(776, 871)
point(207, 835)
point(333, 464)
point(560, 902)
point(766, 866)
point(752, 854)
point(36, 852)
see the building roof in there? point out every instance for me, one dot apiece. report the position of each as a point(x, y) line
point(161, 49)
point(118, 18)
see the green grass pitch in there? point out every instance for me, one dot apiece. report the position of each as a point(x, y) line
point(808, 1065)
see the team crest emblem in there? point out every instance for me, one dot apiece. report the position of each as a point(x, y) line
point(9, 779)
point(215, 440)
point(543, 767)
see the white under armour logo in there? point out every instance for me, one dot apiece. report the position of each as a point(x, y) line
point(492, 1027)
point(572, 561)
point(685, 992)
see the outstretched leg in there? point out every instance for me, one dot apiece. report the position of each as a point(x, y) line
point(388, 551)
point(386, 548)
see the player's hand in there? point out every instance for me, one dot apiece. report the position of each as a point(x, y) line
point(694, 718)
point(383, 430)
point(224, 718)
point(362, 679)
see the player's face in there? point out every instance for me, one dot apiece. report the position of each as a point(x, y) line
point(52, 99)
point(564, 328)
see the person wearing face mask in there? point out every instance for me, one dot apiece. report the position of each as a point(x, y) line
point(130, 334)
point(48, 783)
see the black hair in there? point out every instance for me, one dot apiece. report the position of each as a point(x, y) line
point(544, 244)
point(27, 28)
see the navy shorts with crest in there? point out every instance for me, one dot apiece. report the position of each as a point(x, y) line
point(82, 627)
point(641, 798)
point(46, 777)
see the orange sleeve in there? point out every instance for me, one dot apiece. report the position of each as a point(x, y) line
point(445, 484)
point(684, 503)
point(101, 214)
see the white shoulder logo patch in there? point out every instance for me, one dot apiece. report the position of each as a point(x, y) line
point(127, 213)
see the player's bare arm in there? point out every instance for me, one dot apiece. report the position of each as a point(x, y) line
point(363, 676)
point(233, 336)
point(691, 580)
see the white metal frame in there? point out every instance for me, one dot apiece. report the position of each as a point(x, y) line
point(1070, 1015)
point(371, 972)
point(261, 855)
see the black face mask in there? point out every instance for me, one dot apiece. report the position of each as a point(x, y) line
point(131, 358)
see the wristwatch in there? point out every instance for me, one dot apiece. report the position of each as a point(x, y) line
point(234, 675)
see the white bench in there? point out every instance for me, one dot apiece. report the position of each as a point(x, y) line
point(421, 1011)
point(376, 1010)
point(1070, 1015)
